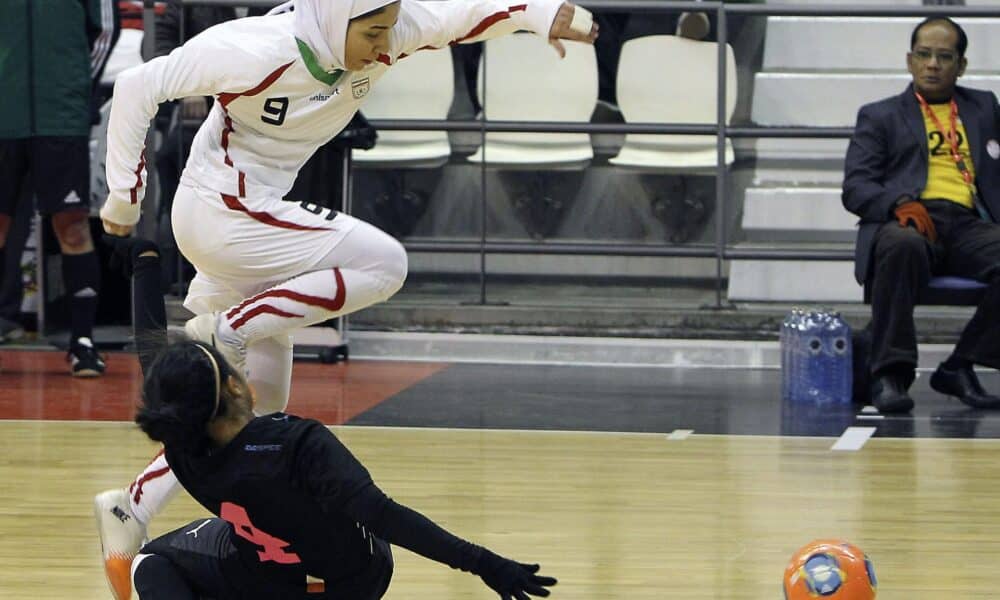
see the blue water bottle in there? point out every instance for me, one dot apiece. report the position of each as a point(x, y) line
point(825, 354)
point(815, 357)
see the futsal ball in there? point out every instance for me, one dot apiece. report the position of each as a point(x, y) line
point(832, 569)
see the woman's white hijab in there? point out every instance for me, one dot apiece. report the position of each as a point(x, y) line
point(322, 25)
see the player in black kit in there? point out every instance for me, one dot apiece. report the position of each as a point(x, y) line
point(291, 500)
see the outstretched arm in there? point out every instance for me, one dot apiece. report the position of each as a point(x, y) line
point(405, 527)
point(201, 67)
point(140, 259)
point(427, 25)
point(341, 483)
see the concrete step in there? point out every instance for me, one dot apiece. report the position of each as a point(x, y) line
point(803, 149)
point(793, 281)
point(864, 44)
point(777, 172)
point(440, 330)
point(568, 350)
point(831, 99)
point(796, 214)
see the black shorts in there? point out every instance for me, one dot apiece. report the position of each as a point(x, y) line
point(203, 553)
point(55, 169)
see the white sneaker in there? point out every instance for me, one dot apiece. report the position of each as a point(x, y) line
point(121, 537)
point(204, 328)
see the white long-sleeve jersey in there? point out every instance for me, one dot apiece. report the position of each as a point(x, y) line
point(274, 105)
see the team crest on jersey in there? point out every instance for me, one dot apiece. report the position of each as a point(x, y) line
point(360, 87)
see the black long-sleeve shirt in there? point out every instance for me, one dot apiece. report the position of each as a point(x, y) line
point(300, 503)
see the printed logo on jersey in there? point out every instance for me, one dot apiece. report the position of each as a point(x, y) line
point(321, 97)
point(262, 447)
point(72, 198)
point(360, 87)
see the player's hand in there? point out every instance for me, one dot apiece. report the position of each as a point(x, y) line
point(512, 580)
point(914, 212)
point(112, 228)
point(572, 23)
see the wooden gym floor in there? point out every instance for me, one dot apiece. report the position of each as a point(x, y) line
point(590, 471)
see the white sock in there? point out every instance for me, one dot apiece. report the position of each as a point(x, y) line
point(153, 489)
point(302, 301)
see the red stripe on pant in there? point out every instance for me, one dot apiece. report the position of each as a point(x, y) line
point(263, 309)
point(136, 488)
point(333, 305)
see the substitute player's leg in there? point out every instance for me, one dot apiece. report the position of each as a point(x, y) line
point(61, 176)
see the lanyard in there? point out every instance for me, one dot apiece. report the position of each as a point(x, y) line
point(952, 137)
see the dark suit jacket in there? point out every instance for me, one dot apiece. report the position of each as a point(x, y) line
point(887, 158)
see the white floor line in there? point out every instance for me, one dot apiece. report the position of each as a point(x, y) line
point(853, 438)
point(871, 417)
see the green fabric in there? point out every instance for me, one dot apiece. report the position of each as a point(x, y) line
point(45, 67)
point(328, 77)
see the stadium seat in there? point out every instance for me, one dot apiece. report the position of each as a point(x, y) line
point(956, 291)
point(426, 82)
point(947, 290)
point(687, 96)
point(526, 81)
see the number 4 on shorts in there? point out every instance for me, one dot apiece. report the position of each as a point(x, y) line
point(273, 547)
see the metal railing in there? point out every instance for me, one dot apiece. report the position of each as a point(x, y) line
point(719, 250)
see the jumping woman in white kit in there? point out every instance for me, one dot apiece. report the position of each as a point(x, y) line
point(284, 85)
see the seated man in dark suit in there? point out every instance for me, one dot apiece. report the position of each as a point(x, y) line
point(923, 174)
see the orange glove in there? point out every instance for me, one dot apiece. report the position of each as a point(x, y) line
point(915, 212)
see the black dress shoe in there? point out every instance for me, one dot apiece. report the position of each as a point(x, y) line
point(963, 384)
point(889, 395)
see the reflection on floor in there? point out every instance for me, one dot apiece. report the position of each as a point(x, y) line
point(36, 385)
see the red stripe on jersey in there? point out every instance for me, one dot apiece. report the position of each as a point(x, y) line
point(491, 21)
point(263, 309)
point(134, 192)
point(227, 97)
point(243, 185)
point(234, 204)
point(332, 304)
point(225, 140)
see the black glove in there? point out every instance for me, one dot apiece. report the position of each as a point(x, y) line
point(125, 252)
point(512, 579)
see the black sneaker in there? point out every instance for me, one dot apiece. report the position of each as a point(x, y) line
point(84, 360)
point(10, 330)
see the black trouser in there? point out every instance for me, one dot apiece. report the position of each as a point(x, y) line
point(904, 262)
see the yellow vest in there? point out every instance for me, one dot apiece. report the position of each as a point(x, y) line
point(944, 180)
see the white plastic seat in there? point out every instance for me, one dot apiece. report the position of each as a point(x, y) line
point(527, 81)
point(421, 86)
point(647, 95)
point(126, 53)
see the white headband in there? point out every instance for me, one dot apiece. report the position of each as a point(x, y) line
point(218, 379)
